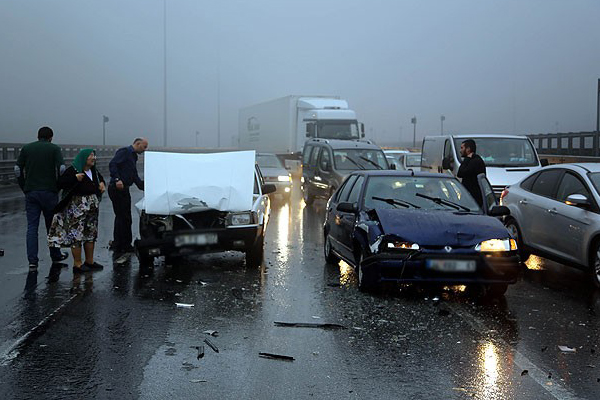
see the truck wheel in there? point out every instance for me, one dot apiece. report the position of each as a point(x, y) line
point(255, 255)
point(308, 198)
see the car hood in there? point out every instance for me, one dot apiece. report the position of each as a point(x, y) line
point(440, 228)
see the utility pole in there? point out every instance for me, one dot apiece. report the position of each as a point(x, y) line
point(413, 121)
point(597, 121)
point(442, 119)
point(104, 121)
point(165, 72)
point(197, 134)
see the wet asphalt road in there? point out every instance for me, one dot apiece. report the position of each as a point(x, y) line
point(117, 334)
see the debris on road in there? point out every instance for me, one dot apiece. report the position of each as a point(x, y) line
point(525, 372)
point(567, 349)
point(211, 345)
point(200, 351)
point(184, 305)
point(309, 325)
point(211, 332)
point(275, 357)
point(544, 348)
point(198, 381)
point(1, 252)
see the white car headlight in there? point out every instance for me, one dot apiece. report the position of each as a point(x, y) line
point(403, 246)
point(240, 218)
point(283, 178)
point(496, 245)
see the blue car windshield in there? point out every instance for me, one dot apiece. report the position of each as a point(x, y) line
point(414, 190)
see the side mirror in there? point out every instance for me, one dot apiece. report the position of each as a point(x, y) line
point(347, 207)
point(578, 200)
point(392, 166)
point(499, 211)
point(268, 188)
point(446, 163)
point(544, 162)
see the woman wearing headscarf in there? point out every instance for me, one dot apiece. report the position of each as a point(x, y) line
point(75, 223)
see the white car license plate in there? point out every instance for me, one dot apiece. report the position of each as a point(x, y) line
point(452, 265)
point(198, 239)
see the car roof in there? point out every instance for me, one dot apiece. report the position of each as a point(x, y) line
point(491, 135)
point(344, 144)
point(588, 167)
point(391, 172)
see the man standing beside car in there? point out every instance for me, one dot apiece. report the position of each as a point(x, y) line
point(123, 174)
point(471, 166)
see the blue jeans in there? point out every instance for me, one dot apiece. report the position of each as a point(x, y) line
point(36, 203)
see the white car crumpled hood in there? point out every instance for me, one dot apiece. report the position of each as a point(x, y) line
point(182, 183)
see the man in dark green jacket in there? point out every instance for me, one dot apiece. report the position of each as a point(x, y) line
point(37, 170)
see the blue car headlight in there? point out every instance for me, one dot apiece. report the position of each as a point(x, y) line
point(402, 245)
point(497, 245)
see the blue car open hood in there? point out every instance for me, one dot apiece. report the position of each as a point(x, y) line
point(440, 228)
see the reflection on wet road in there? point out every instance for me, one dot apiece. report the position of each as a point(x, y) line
point(119, 334)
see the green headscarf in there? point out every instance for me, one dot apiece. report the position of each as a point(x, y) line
point(81, 159)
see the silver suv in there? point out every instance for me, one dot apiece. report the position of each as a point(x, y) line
point(554, 213)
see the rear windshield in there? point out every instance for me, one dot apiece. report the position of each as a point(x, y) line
point(503, 152)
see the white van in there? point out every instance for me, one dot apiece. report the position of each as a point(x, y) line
point(508, 158)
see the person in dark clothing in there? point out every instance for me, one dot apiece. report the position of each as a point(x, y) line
point(123, 174)
point(37, 169)
point(471, 166)
point(75, 223)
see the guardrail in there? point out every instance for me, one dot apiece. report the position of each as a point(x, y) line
point(567, 144)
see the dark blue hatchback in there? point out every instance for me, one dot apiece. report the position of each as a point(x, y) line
point(419, 227)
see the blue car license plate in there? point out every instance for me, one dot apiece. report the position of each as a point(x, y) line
point(198, 239)
point(451, 265)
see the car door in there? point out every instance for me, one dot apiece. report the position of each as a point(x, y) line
point(487, 193)
point(348, 220)
point(309, 179)
point(334, 219)
point(325, 172)
point(537, 210)
point(569, 223)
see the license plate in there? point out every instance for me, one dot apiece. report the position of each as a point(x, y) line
point(452, 265)
point(199, 239)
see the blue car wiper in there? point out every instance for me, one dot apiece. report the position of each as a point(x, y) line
point(448, 203)
point(395, 202)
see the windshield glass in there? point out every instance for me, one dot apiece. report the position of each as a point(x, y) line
point(595, 178)
point(413, 160)
point(353, 159)
point(268, 161)
point(406, 188)
point(502, 152)
point(337, 130)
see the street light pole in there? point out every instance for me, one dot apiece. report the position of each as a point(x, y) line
point(597, 120)
point(442, 119)
point(413, 121)
point(197, 134)
point(165, 74)
point(104, 121)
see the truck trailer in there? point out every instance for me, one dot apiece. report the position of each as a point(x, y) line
point(281, 126)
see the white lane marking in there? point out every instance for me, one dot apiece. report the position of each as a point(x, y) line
point(539, 375)
point(13, 351)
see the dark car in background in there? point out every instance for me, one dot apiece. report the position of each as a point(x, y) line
point(419, 227)
point(326, 162)
point(275, 173)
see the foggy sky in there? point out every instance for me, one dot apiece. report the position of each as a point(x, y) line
point(522, 66)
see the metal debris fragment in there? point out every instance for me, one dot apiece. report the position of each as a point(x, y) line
point(184, 305)
point(567, 349)
point(198, 381)
point(200, 351)
point(211, 345)
point(525, 372)
point(309, 325)
point(275, 356)
point(211, 332)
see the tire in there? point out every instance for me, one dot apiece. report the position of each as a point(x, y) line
point(366, 281)
point(595, 264)
point(254, 256)
point(496, 290)
point(330, 258)
point(515, 231)
point(308, 198)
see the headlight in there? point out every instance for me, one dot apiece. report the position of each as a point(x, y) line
point(240, 218)
point(403, 246)
point(496, 245)
point(283, 178)
point(163, 222)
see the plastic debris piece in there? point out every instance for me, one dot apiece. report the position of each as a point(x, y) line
point(1, 252)
point(525, 372)
point(184, 305)
point(316, 317)
point(211, 332)
point(211, 345)
point(198, 381)
point(178, 281)
point(272, 356)
point(200, 352)
point(567, 349)
point(309, 325)
point(544, 348)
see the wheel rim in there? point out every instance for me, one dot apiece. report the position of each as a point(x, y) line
point(359, 270)
point(597, 265)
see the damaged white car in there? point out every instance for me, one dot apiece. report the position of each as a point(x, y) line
point(201, 203)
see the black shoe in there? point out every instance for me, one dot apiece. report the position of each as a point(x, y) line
point(63, 256)
point(83, 268)
point(95, 266)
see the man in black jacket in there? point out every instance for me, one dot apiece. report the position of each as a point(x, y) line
point(123, 174)
point(471, 166)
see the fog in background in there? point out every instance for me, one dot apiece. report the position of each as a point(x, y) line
point(522, 66)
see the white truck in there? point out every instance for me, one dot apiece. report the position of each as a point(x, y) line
point(281, 126)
